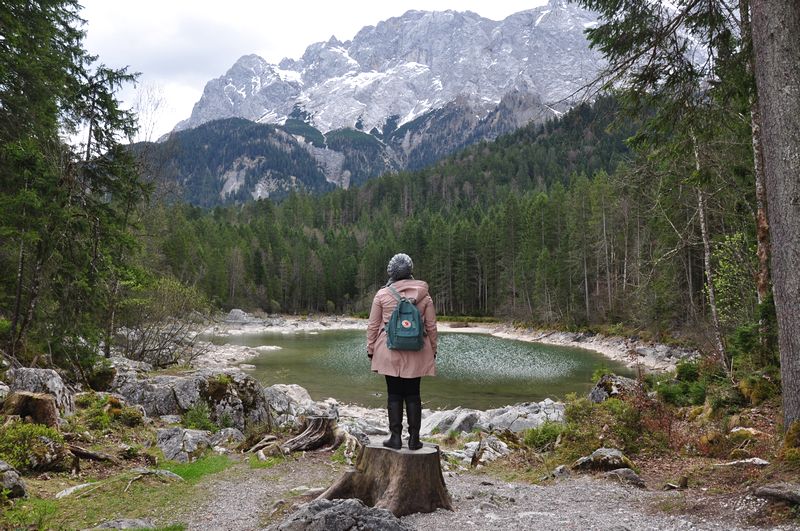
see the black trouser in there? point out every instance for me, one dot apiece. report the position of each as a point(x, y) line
point(399, 388)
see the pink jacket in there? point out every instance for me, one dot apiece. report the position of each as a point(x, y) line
point(402, 363)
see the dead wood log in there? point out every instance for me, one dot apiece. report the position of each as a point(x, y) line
point(401, 481)
point(317, 432)
point(77, 451)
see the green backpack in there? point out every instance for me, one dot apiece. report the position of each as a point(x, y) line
point(405, 330)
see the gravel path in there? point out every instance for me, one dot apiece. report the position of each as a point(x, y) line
point(244, 499)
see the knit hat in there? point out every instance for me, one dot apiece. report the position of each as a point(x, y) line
point(400, 267)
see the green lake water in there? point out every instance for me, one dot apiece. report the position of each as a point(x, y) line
point(476, 371)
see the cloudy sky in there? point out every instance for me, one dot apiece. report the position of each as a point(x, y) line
point(179, 45)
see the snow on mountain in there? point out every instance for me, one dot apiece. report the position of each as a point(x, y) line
point(407, 66)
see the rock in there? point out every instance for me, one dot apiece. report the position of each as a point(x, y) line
point(123, 364)
point(646, 352)
point(4, 391)
point(458, 420)
point(362, 422)
point(232, 396)
point(488, 449)
point(613, 386)
point(45, 454)
point(227, 437)
point(561, 471)
point(603, 459)
point(238, 316)
point(781, 492)
point(40, 408)
point(521, 417)
point(625, 475)
point(182, 445)
point(127, 523)
point(42, 381)
point(11, 482)
point(76, 488)
point(341, 515)
point(171, 419)
point(290, 402)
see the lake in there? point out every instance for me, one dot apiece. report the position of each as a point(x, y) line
point(474, 370)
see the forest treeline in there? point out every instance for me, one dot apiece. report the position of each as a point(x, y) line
point(558, 223)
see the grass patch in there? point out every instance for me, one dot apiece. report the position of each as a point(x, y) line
point(22, 443)
point(270, 462)
point(105, 500)
point(198, 417)
point(194, 471)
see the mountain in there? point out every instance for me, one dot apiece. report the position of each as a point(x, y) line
point(412, 89)
point(232, 160)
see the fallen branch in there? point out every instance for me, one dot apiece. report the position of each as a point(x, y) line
point(88, 454)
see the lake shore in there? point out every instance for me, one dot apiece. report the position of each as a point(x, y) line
point(634, 353)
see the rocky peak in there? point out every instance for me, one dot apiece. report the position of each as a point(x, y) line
point(409, 65)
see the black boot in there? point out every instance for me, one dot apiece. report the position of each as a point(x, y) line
point(395, 410)
point(414, 413)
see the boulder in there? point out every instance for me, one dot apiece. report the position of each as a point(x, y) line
point(228, 437)
point(289, 402)
point(238, 316)
point(613, 386)
point(341, 515)
point(42, 381)
point(603, 459)
point(521, 417)
point(39, 408)
point(488, 449)
point(232, 396)
point(45, 454)
point(561, 471)
point(182, 445)
point(4, 391)
point(458, 420)
point(780, 492)
point(625, 475)
point(11, 482)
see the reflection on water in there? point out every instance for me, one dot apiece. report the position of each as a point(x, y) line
point(476, 371)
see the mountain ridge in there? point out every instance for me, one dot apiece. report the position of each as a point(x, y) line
point(409, 65)
point(400, 95)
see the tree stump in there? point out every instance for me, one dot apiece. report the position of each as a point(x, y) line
point(40, 408)
point(317, 432)
point(401, 481)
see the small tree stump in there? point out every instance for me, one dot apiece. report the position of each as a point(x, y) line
point(39, 407)
point(317, 432)
point(401, 481)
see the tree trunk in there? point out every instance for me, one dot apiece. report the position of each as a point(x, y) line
point(776, 48)
point(401, 481)
point(712, 297)
point(762, 225)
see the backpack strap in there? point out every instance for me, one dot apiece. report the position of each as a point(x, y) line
point(400, 297)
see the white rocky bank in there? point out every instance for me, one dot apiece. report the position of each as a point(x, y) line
point(633, 352)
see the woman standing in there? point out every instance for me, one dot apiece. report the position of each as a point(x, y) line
point(403, 368)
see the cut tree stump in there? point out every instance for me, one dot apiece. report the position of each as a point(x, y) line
point(401, 481)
